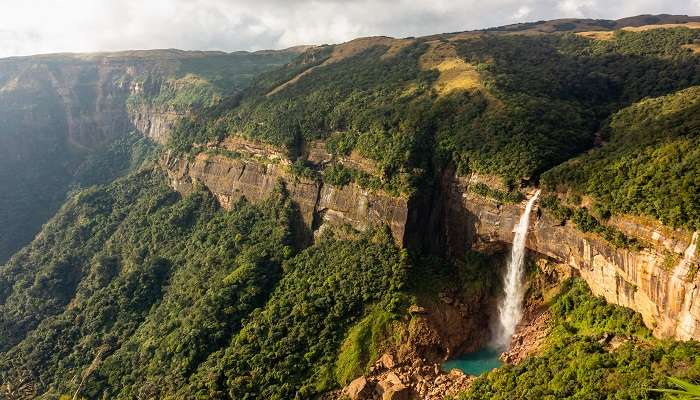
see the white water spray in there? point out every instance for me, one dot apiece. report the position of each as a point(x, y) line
point(510, 309)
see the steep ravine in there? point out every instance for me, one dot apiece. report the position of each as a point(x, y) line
point(643, 280)
point(57, 110)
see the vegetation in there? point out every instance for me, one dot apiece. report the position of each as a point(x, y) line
point(43, 142)
point(685, 391)
point(134, 291)
point(361, 348)
point(579, 362)
point(512, 196)
point(540, 101)
point(585, 222)
point(650, 165)
point(203, 80)
point(339, 175)
point(160, 296)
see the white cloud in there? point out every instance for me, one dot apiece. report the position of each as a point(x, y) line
point(41, 26)
point(522, 12)
point(577, 8)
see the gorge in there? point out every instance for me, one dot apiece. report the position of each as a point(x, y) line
point(336, 220)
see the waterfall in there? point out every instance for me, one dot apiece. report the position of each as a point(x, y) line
point(510, 309)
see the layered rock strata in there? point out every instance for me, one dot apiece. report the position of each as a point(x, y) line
point(659, 281)
point(240, 168)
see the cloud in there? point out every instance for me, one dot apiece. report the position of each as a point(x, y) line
point(41, 26)
point(522, 12)
point(577, 8)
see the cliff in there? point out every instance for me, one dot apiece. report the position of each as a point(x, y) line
point(56, 110)
point(239, 168)
point(660, 281)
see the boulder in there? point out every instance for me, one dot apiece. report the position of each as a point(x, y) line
point(358, 389)
point(417, 310)
point(398, 392)
point(389, 381)
point(456, 374)
point(387, 361)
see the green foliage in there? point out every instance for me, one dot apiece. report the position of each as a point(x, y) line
point(339, 175)
point(686, 391)
point(127, 265)
point(585, 222)
point(649, 167)
point(575, 308)
point(44, 144)
point(159, 296)
point(361, 102)
point(203, 80)
point(287, 348)
point(124, 155)
point(544, 98)
point(143, 293)
point(363, 345)
point(302, 169)
point(501, 196)
point(577, 364)
point(551, 204)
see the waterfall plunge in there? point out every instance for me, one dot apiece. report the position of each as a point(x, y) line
point(510, 309)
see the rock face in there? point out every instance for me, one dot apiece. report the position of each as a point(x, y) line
point(660, 282)
point(57, 109)
point(154, 122)
point(240, 168)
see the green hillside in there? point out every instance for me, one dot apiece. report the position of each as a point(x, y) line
point(115, 286)
point(56, 110)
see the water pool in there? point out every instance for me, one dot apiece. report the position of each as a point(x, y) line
point(475, 363)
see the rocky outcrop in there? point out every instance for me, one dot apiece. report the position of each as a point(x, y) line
point(404, 380)
point(660, 281)
point(155, 122)
point(239, 168)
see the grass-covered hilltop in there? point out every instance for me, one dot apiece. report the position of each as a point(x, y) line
point(333, 221)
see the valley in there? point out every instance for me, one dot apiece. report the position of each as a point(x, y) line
point(335, 221)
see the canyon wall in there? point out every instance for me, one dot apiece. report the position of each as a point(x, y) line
point(660, 281)
point(88, 101)
point(57, 109)
point(239, 168)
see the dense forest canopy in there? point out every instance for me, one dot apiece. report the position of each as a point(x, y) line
point(133, 290)
point(540, 100)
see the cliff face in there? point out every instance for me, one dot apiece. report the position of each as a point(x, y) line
point(57, 109)
point(154, 122)
point(240, 168)
point(660, 282)
point(91, 95)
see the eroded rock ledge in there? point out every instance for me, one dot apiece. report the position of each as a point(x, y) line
point(239, 168)
point(660, 282)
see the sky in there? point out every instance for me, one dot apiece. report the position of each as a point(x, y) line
point(49, 26)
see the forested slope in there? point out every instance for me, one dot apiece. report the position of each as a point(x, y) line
point(56, 110)
point(133, 290)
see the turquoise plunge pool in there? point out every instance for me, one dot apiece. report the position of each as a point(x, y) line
point(475, 363)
